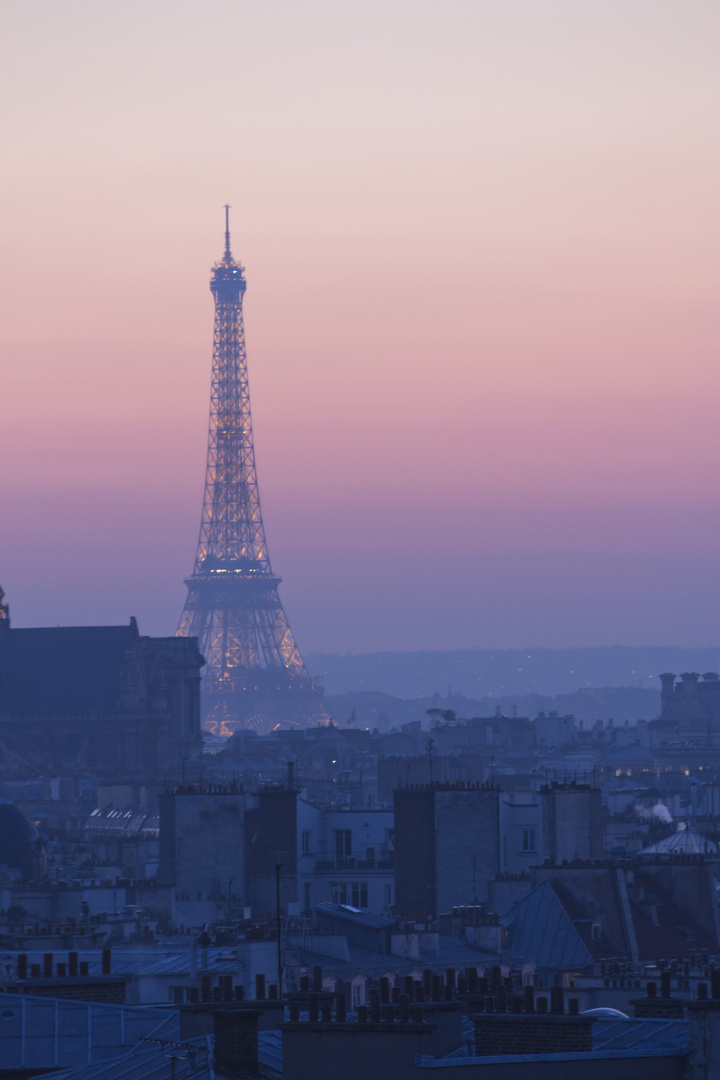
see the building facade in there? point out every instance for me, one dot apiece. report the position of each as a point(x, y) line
point(100, 699)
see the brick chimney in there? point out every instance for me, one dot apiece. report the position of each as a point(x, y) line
point(499, 1032)
point(663, 1007)
point(236, 1042)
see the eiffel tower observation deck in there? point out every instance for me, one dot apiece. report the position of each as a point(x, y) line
point(255, 676)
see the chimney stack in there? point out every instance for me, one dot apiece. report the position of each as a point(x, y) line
point(236, 1042)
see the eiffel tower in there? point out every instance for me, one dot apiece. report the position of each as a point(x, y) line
point(255, 676)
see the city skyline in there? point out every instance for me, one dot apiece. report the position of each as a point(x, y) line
point(482, 314)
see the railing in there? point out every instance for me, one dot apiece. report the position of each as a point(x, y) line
point(356, 864)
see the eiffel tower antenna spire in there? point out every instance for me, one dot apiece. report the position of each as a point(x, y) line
point(227, 232)
point(255, 676)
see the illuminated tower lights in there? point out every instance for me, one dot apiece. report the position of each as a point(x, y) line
point(255, 676)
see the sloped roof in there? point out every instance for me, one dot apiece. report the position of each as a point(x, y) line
point(664, 929)
point(346, 913)
point(541, 931)
point(63, 670)
point(682, 842)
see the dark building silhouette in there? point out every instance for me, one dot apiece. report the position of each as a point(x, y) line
point(572, 821)
point(693, 703)
point(21, 848)
point(452, 839)
point(97, 699)
point(222, 844)
point(447, 845)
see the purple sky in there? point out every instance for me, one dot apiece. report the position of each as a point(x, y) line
point(481, 243)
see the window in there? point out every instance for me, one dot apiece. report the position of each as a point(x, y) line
point(358, 891)
point(305, 841)
point(370, 856)
point(307, 894)
point(338, 892)
point(343, 844)
point(354, 893)
point(528, 840)
point(388, 896)
point(596, 931)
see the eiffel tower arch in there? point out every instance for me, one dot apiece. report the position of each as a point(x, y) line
point(255, 677)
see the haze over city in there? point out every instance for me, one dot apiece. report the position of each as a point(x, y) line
point(359, 573)
point(481, 250)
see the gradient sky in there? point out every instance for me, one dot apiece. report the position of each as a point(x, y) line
point(482, 247)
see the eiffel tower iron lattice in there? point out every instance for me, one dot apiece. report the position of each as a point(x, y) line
point(255, 676)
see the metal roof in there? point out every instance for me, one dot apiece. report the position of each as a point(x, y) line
point(666, 1036)
point(611, 1039)
point(540, 930)
point(682, 842)
point(345, 913)
point(46, 1033)
point(161, 1057)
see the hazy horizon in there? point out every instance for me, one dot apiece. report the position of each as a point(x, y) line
point(481, 245)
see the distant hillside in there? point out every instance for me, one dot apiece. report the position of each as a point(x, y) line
point(481, 674)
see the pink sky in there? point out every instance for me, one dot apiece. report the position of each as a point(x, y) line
point(483, 326)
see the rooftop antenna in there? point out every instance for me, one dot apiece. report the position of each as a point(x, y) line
point(227, 232)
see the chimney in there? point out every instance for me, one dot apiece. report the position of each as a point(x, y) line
point(663, 1007)
point(541, 1032)
point(667, 681)
point(703, 1060)
point(236, 1042)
